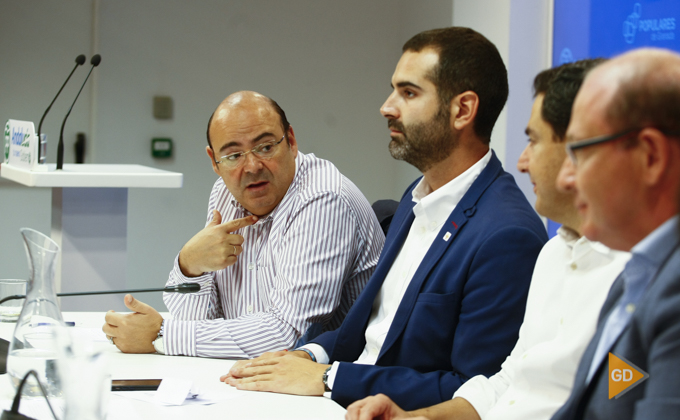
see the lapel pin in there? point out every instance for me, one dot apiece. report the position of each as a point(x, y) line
point(447, 235)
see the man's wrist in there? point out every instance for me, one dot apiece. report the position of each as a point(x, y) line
point(324, 379)
point(309, 353)
point(186, 270)
point(159, 342)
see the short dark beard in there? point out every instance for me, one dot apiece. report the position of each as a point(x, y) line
point(425, 143)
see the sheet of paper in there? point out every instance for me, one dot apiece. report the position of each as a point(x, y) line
point(173, 391)
point(205, 398)
point(176, 391)
point(36, 407)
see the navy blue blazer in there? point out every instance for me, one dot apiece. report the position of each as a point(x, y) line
point(651, 341)
point(461, 313)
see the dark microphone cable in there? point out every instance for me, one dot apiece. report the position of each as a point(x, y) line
point(60, 148)
point(80, 60)
point(14, 414)
point(180, 288)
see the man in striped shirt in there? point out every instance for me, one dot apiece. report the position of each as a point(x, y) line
point(289, 244)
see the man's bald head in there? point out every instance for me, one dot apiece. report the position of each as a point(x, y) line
point(245, 101)
point(245, 136)
point(625, 167)
point(642, 89)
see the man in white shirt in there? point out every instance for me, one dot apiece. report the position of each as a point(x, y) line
point(570, 282)
point(289, 243)
point(448, 295)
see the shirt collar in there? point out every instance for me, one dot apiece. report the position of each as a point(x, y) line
point(657, 245)
point(437, 205)
point(569, 235)
point(580, 245)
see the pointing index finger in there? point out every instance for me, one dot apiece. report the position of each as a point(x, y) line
point(236, 224)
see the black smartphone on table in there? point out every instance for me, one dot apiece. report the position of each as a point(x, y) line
point(135, 384)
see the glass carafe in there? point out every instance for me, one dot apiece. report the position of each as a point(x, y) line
point(34, 344)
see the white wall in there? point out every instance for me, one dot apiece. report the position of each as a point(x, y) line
point(530, 52)
point(521, 30)
point(496, 27)
point(39, 41)
point(327, 63)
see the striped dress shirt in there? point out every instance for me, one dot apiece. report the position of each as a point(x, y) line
point(304, 263)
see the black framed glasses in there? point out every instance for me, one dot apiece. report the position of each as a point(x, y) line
point(263, 151)
point(576, 145)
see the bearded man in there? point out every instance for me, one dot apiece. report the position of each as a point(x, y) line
point(448, 294)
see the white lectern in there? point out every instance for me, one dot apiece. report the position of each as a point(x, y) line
point(89, 222)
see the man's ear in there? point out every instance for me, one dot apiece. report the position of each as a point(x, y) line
point(210, 152)
point(656, 153)
point(464, 109)
point(291, 140)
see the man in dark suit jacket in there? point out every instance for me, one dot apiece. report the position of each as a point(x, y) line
point(624, 140)
point(448, 295)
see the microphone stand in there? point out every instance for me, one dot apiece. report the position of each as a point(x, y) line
point(60, 147)
point(80, 60)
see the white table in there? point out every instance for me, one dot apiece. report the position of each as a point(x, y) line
point(203, 372)
point(89, 223)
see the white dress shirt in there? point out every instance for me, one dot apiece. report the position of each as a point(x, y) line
point(304, 263)
point(431, 211)
point(571, 280)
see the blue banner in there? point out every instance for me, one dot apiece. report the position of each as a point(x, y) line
point(604, 28)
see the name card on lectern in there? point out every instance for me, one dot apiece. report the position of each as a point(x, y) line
point(21, 144)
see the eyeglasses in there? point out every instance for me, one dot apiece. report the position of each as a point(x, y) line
point(576, 145)
point(263, 151)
